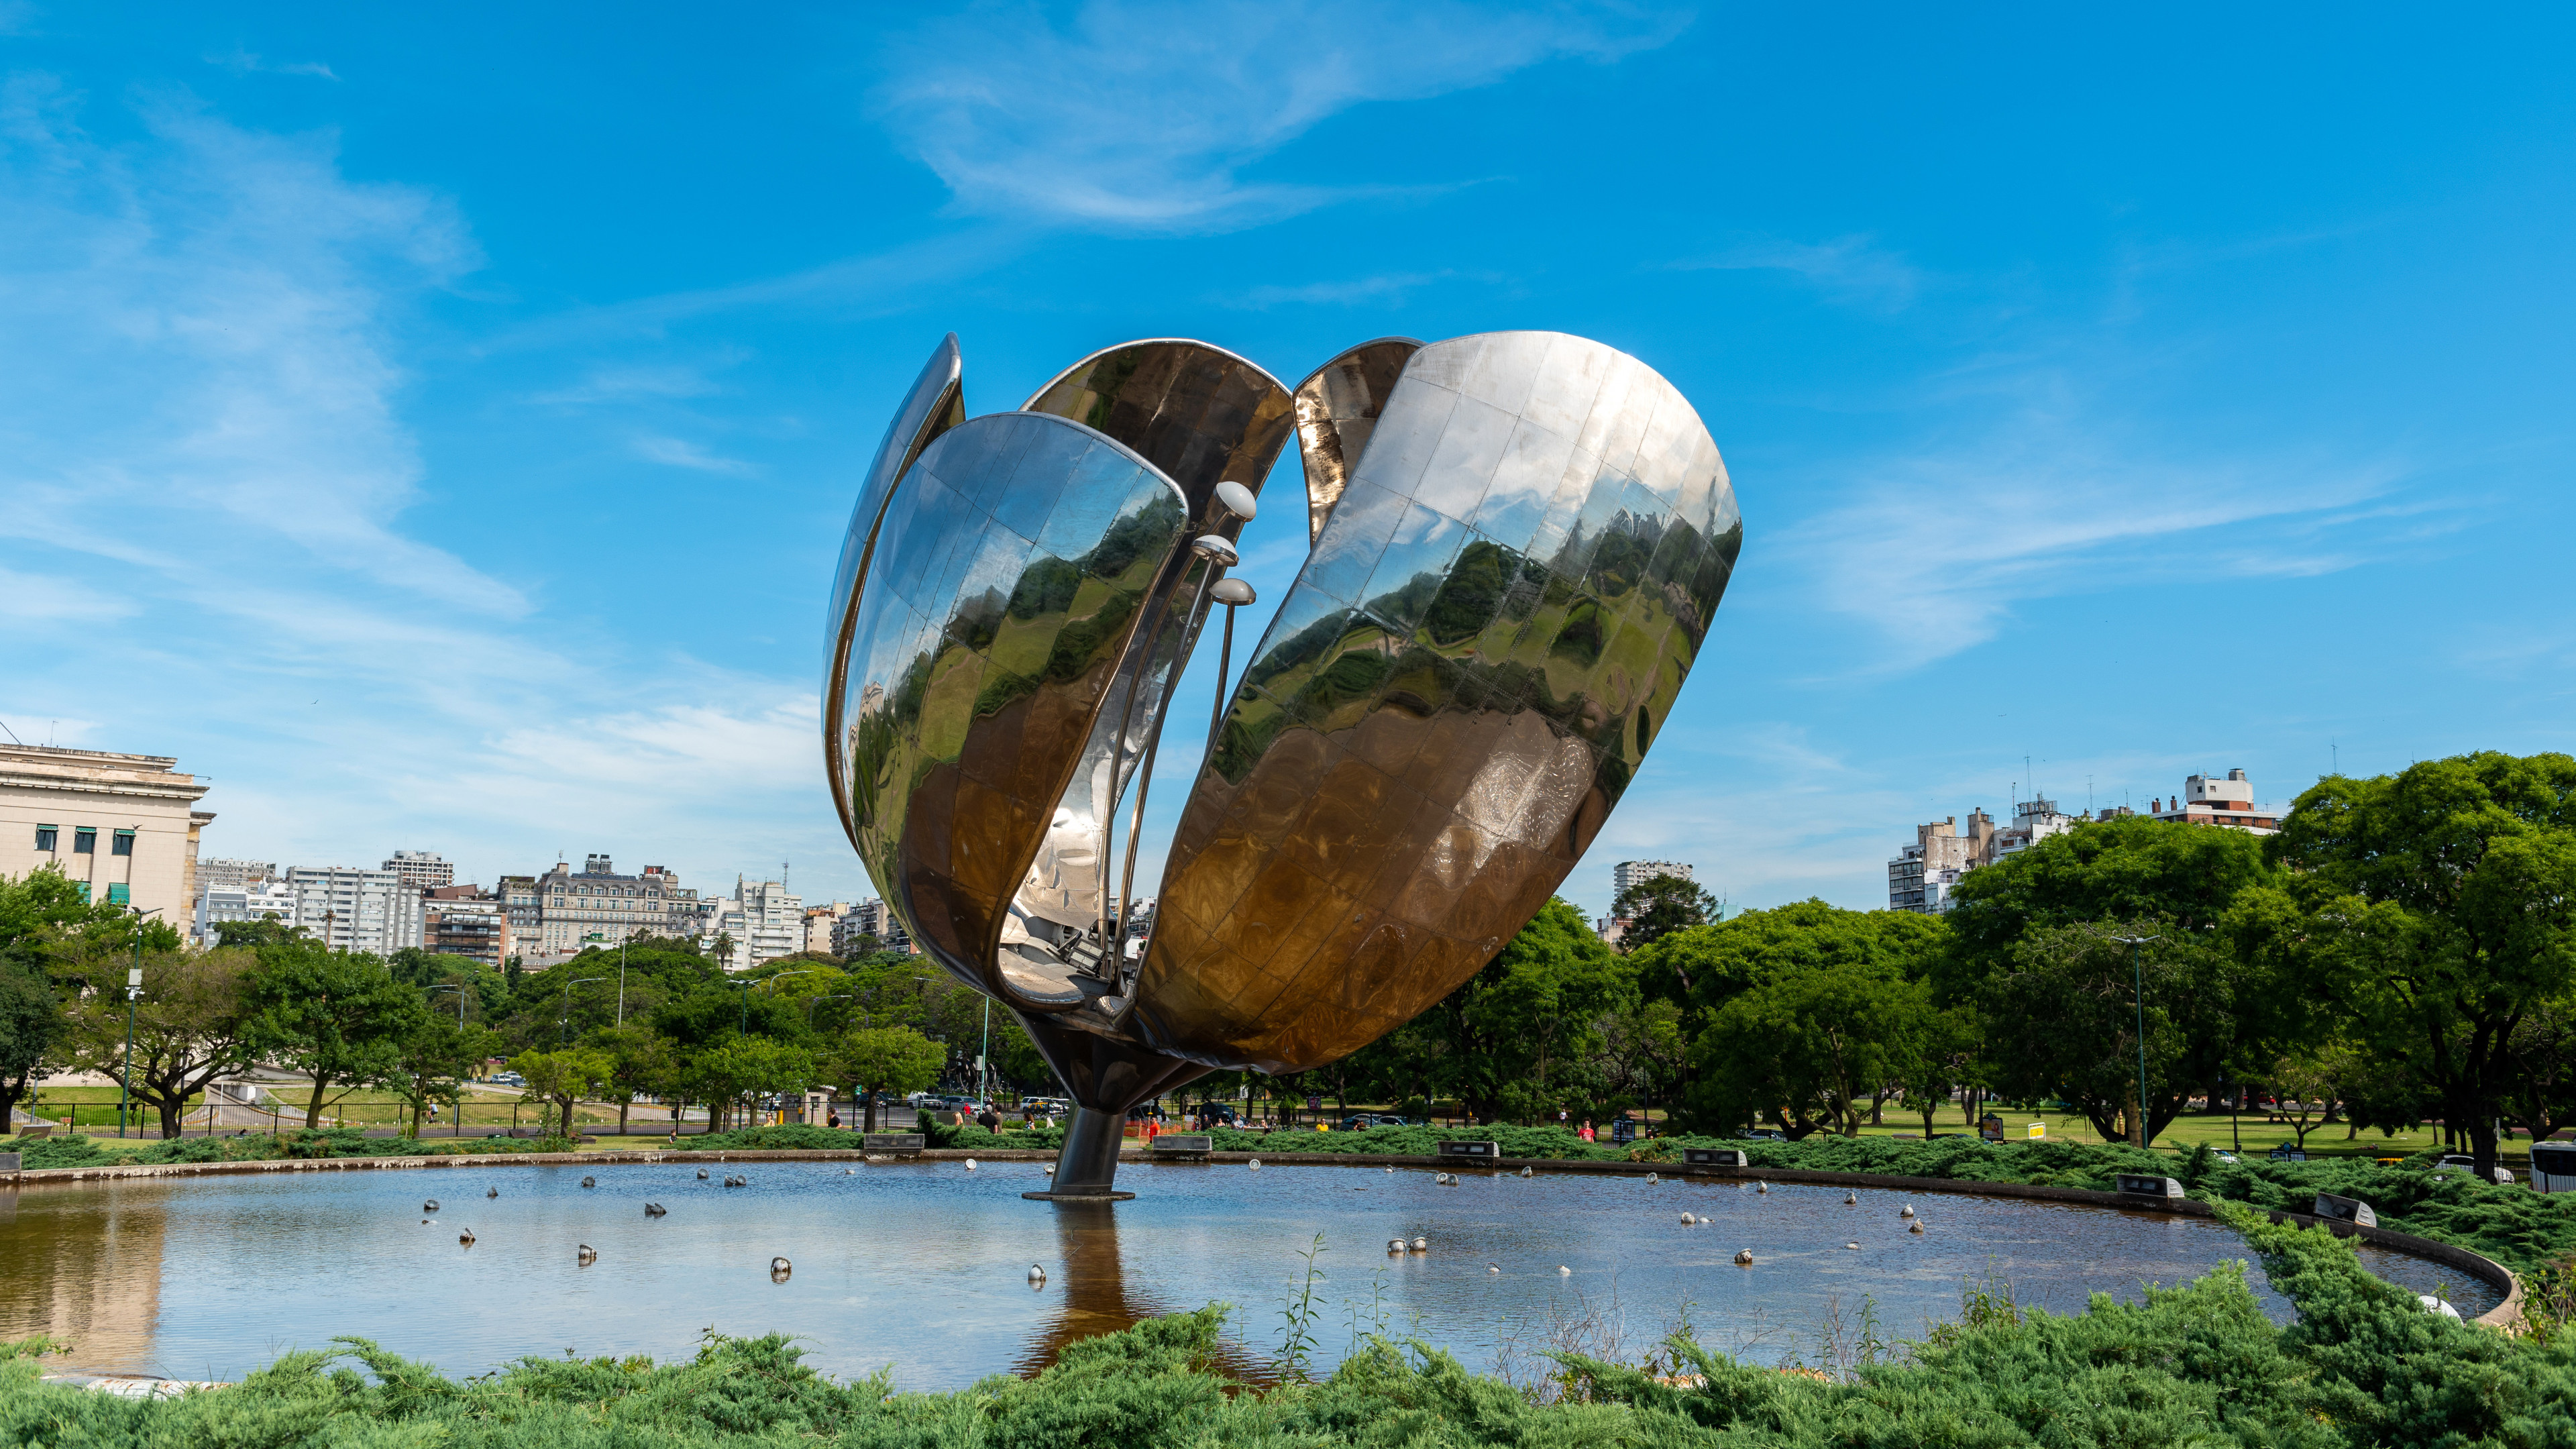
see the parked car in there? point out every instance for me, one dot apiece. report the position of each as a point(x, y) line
point(2463, 1162)
point(924, 1100)
point(1762, 1134)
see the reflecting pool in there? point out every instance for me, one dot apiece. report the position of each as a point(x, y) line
point(923, 1266)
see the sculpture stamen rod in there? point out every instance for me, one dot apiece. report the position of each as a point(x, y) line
point(1518, 542)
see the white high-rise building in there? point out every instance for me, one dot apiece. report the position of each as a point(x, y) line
point(262, 899)
point(869, 918)
point(764, 922)
point(1637, 872)
point(422, 869)
point(355, 910)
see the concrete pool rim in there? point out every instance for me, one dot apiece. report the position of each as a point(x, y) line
point(2506, 1315)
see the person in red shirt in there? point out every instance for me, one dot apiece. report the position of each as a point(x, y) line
point(1586, 1133)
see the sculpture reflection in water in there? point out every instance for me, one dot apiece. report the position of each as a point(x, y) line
point(1517, 543)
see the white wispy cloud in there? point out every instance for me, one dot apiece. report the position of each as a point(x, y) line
point(681, 453)
point(210, 500)
point(629, 383)
point(1851, 269)
point(1940, 545)
point(244, 62)
point(1388, 290)
point(1149, 115)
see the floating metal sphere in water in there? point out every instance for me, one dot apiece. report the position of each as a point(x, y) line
point(781, 1265)
point(1254, 1164)
point(1744, 1257)
point(655, 1210)
point(1854, 1246)
point(1422, 1245)
point(970, 1164)
point(1651, 1179)
point(702, 1174)
point(590, 1182)
point(430, 1206)
point(1761, 1187)
point(585, 1253)
point(1917, 1226)
point(466, 1237)
point(1564, 1270)
point(1493, 1267)
point(1906, 1211)
point(492, 1192)
point(1851, 1199)
point(1525, 1171)
point(1394, 1245)
point(1688, 1220)
point(1036, 1274)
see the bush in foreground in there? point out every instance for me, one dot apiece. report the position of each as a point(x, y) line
point(80, 1151)
point(2197, 1365)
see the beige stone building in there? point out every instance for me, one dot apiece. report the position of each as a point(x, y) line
point(124, 826)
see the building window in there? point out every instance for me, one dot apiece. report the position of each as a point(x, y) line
point(84, 840)
point(119, 895)
point(122, 843)
point(45, 837)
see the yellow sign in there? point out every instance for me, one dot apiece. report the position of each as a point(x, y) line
point(2038, 1129)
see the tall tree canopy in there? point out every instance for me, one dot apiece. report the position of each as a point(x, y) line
point(1534, 1008)
point(1660, 905)
point(2434, 911)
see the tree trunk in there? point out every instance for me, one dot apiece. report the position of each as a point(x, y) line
point(623, 1103)
point(313, 1108)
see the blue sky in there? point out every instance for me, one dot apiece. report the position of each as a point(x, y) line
point(438, 425)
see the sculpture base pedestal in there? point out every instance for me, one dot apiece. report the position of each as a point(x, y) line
point(1079, 1196)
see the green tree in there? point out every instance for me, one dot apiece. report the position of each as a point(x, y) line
point(1530, 1011)
point(337, 1017)
point(729, 1074)
point(2434, 911)
point(40, 913)
point(2129, 869)
point(1660, 905)
point(894, 1059)
point(2061, 1020)
point(1813, 1048)
point(561, 1078)
point(1944, 1059)
point(644, 1062)
point(433, 1063)
point(192, 1024)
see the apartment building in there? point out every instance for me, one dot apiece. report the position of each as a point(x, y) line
point(353, 909)
point(598, 906)
point(869, 919)
point(465, 920)
point(123, 827)
point(1923, 874)
point(423, 870)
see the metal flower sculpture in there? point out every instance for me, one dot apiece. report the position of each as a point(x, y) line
point(1518, 541)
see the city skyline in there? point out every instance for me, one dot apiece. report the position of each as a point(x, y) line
point(431, 474)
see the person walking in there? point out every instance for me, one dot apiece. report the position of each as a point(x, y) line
point(1586, 1133)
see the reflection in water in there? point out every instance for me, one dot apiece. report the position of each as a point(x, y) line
point(80, 1273)
point(923, 1266)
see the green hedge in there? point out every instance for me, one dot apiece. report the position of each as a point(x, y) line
point(80, 1151)
point(2197, 1365)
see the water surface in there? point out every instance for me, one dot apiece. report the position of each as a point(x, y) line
point(922, 1266)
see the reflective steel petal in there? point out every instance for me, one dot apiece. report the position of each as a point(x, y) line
point(1337, 406)
point(1015, 571)
point(1465, 677)
point(935, 403)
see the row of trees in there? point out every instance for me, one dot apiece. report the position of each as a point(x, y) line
point(657, 1018)
point(2405, 948)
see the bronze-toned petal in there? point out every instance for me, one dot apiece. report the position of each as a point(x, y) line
point(1337, 407)
point(1486, 651)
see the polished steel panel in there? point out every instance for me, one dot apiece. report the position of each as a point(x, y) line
point(1204, 416)
point(1498, 612)
point(935, 403)
point(1014, 572)
point(1337, 407)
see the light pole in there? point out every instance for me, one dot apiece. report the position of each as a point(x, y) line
point(133, 991)
point(567, 1001)
point(2138, 983)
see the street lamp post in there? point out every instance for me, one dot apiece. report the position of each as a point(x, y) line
point(2138, 984)
point(567, 1001)
point(133, 991)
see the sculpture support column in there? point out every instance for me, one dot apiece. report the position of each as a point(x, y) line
point(1088, 1164)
